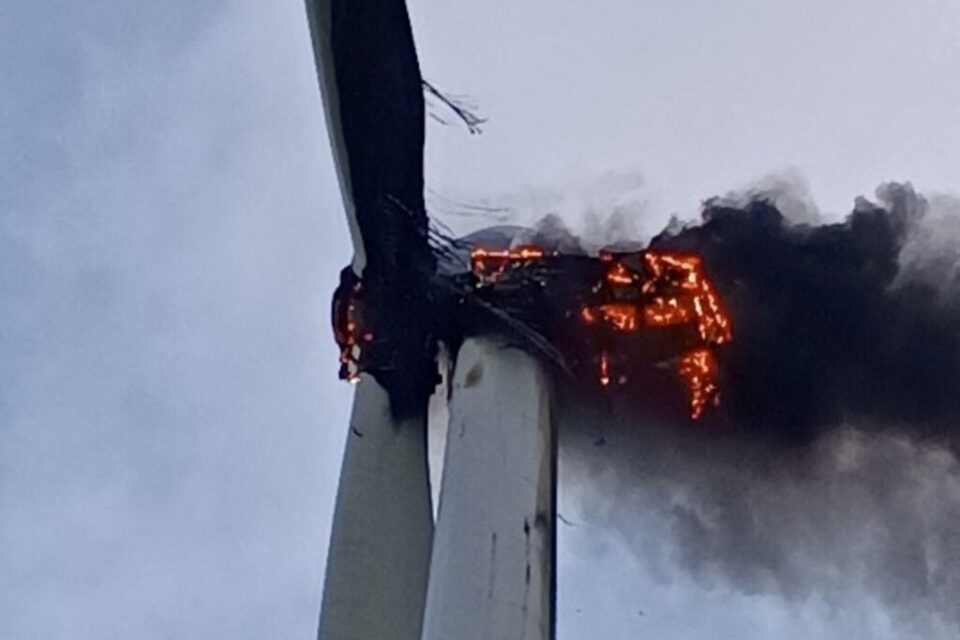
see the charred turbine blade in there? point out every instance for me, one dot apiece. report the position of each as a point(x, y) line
point(375, 114)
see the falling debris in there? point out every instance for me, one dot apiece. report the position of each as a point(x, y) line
point(564, 520)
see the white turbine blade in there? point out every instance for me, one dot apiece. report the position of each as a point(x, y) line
point(379, 555)
point(492, 571)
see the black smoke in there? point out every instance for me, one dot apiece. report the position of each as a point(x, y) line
point(830, 474)
point(827, 328)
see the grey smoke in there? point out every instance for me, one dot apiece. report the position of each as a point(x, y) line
point(853, 516)
point(788, 190)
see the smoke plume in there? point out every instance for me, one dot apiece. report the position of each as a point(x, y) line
point(856, 321)
point(831, 471)
point(830, 324)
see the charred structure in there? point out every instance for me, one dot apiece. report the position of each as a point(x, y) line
point(623, 319)
point(376, 98)
point(627, 320)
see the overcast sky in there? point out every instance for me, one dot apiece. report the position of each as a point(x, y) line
point(170, 232)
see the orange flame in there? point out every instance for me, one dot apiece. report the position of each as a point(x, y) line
point(622, 317)
point(698, 368)
point(604, 368)
point(619, 274)
point(676, 292)
point(673, 271)
point(671, 291)
point(490, 264)
point(349, 333)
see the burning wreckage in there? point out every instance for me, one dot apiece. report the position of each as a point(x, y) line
point(643, 319)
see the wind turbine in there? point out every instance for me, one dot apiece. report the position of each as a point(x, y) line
point(490, 566)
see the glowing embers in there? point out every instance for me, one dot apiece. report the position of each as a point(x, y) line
point(604, 368)
point(664, 312)
point(666, 289)
point(620, 316)
point(489, 265)
point(682, 294)
point(698, 369)
point(660, 291)
point(620, 275)
point(349, 329)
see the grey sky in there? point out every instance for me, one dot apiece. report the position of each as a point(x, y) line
point(170, 231)
point(699, 97)
point(171, 425)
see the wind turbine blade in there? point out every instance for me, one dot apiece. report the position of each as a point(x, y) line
point(379, 554)
point(492, 573)
point(373, 100)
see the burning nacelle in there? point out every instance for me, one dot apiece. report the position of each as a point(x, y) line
point(632, 310)
point(619, 317)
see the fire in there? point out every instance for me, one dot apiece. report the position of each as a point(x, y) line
point(619, 274)
point(663, 312)
point(622, 317)
point(673, 292)
point(698, 368)
point(660, 294)
point(664, 290)
point(349, 330)
point(683, 274)
point(604, 368)
point(489, 265)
